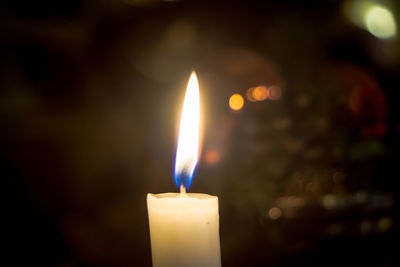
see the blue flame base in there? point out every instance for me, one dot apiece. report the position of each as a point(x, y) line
point(184, 179)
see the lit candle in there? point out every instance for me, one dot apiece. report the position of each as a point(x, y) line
point(184, 227)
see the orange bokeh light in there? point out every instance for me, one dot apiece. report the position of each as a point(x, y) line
point(260, 93)
point(236, 102)
point(249, 94)
point(212, 157)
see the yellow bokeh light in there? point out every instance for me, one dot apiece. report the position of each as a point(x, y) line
point(380, 22)
point(355, 10)
point(236, 102)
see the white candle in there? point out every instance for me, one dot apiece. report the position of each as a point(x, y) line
point(184, 230)
point(184, 227)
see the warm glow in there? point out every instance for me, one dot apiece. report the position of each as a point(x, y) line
point(236, 102)
point(380, 22)
point(188, 142)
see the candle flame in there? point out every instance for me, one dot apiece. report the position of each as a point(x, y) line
point(188, 142)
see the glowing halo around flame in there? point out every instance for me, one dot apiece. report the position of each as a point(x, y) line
point(188, 142)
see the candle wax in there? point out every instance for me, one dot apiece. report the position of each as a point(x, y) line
point(184, 230)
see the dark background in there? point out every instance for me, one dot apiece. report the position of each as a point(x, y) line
point(90, 96)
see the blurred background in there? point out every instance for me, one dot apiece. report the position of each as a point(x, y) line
point(301, 127)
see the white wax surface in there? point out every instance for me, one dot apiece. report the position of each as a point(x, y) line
point(184, 230)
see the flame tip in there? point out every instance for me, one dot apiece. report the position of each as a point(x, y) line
point(193, 75)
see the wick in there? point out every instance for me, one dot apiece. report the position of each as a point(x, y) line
point(183, 190)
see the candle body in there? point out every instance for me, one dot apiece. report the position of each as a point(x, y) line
point(184, 230)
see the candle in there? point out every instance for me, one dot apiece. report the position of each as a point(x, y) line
point(184, 227)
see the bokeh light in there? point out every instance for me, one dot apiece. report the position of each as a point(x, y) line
point(259, 93)
point(372, 16)
point(380, 22)
point(249, 94)
point(356, 9)
point(384, 224)
point(236, 102)
point(329, 201)
point(338, 177)
point(275, 92)
point(274, 213)
point(212, 157)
